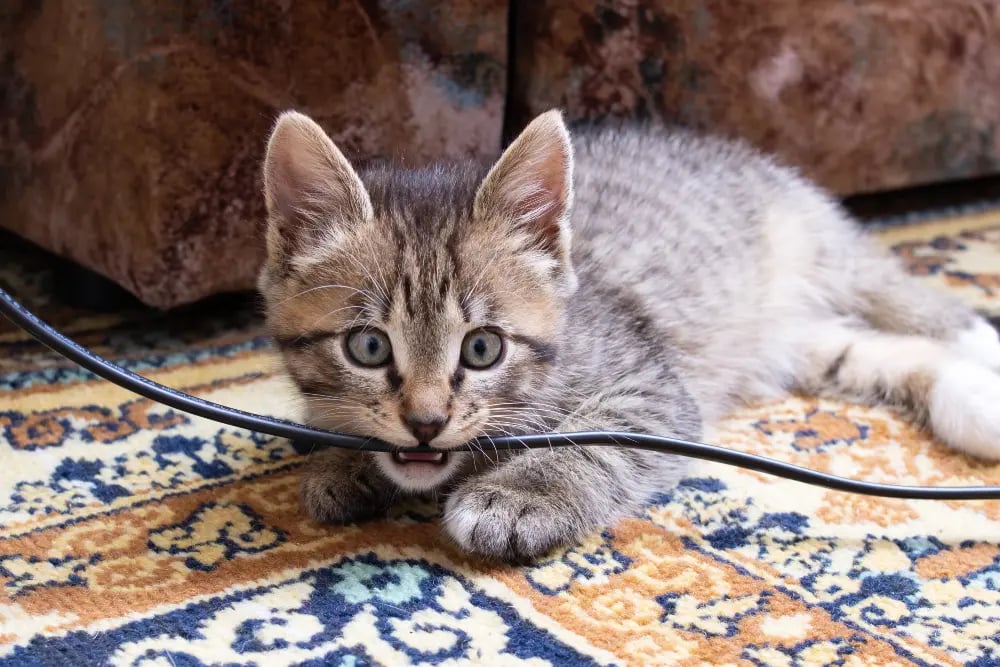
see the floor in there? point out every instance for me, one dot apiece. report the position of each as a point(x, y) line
point(134, 535)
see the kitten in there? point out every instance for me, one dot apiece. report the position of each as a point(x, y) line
point(630, 279)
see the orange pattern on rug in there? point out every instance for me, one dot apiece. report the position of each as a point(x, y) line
point(131, 534)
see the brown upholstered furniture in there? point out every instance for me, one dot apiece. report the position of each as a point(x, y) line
point(131, 132)
point(862, 95)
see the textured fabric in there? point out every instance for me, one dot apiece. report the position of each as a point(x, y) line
point(860, 95)
point(133, 535)
point(131, 133)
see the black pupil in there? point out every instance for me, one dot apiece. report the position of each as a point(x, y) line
point(373, 345)
point(479, 347)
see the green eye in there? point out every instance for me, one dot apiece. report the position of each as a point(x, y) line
point(368, 347)
point(481, 349)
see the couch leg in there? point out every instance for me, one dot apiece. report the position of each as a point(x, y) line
point(80, 287)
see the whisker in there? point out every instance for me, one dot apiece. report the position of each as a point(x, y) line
point(495, 449)
point(312, 326)
point(313, 289)
point(379, 285)
point(472, 455)
point(511, 435)
point(485, 455)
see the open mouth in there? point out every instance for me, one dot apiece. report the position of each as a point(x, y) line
point(427, 458)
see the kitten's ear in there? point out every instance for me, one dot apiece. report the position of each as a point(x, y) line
point(310, 188)
point(531, 186)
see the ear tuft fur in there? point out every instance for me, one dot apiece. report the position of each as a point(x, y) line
point(530, 187)
point(310, 188)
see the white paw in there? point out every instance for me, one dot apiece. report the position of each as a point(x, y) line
point(965, 409)
point(981, 343)
point(508, 524)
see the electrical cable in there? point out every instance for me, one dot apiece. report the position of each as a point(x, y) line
point(178, 400)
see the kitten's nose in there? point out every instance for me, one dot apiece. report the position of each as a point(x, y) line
point(425, 429)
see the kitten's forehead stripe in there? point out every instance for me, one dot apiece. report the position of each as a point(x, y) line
point(408, 296)
point(426, 211)
point(425, 198)
point(451, 248)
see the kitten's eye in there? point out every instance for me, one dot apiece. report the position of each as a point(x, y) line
point(481, 349)
point(368, 347)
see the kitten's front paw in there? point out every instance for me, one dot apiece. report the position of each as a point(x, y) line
point(333, 492)
point(508, 524)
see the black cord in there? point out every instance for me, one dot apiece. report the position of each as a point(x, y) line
point(25, 319)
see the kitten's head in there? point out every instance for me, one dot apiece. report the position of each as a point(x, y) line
point(418, 306)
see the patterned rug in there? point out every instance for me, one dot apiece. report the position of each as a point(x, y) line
point(134, 535)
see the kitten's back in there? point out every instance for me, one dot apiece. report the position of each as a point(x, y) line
point(716, 241)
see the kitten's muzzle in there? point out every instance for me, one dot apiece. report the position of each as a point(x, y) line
point(425, 429)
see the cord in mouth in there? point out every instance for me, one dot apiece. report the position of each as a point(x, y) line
point(433, 458)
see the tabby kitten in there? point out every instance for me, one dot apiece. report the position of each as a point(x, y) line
point(629, 279)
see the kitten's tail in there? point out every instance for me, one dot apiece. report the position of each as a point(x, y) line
point(952, 388)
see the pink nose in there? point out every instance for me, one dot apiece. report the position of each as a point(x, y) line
point(425, 429)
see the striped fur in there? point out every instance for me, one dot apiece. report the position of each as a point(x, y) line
point(642, 281)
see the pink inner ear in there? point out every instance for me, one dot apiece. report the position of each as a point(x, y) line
point(292, 168)
point(533, 186)
point(554, 174)
point(544, 208)
point(286, 189)
point(307, 174)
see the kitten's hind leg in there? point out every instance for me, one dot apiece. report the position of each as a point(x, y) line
point(958, 397)
point(979, 342)
point(893, 301)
